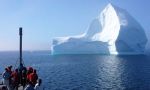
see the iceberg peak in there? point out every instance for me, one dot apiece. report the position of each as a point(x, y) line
point(109, 5)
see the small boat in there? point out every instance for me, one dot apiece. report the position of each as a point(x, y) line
point(20, 87)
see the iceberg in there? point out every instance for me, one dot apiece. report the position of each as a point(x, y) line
point(114, 31)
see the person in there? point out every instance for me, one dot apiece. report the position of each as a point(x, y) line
point(9, 69)
point(29, 71)
point(24, 78)
point(10, 79)
point(21, 68)
point(29, 86)
point(6, 78)
point(15, 79)
point(33, 77)
point(38, 85)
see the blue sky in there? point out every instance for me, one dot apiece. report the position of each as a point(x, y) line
point(43, 20)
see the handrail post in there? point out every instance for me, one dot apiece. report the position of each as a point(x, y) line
point(20, 34)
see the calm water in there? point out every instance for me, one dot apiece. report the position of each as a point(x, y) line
point(86, 72)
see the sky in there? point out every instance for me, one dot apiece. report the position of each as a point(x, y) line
point(43, 20)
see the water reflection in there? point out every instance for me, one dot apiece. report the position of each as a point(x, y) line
point(109, 76)
point(96, 72)
point(89, 72)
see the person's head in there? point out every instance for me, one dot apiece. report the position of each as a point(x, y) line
point(30, 69)
point(34, 71)
point(10, 67)
point(23, 72)
point(6, 69)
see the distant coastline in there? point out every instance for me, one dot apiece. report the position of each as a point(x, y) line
point(27, 51)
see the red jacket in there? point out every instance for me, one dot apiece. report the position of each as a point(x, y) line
point(28, 76)
point(33, 77)
point(15, 77)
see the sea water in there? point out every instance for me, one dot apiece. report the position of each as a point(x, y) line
point(85, 72)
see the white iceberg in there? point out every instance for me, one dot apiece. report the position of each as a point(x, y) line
point(114, 31)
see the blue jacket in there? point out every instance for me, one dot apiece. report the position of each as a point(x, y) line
point(6, 75)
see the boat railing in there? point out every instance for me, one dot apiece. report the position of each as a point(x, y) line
point(1, 79)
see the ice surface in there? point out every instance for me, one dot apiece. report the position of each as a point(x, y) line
point(114, 31)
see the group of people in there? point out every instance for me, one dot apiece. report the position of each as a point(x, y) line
point(22, 76)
